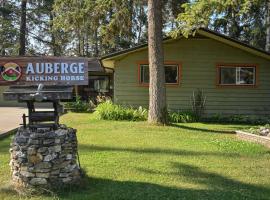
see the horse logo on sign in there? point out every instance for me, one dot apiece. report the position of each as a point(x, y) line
point(10, 72)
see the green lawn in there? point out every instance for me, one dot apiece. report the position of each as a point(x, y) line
point(133, 160)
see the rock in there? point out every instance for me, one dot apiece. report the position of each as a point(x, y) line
point(50, 157)
point(43, 149)
point(20, 140)
point(264, 131)
point(55, 172)
point(31, 151)
point(57, 141)
point(43, 175)
point(67, 180)
point(63, 175)
point(43, 165)
point(27, 174)
point(38, 181)
point(48, 141)
point(37, 158)
point(69, 156)
point(38, 170)
point(56, 149)
point(33, 141)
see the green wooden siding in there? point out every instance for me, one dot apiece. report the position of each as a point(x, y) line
point(199, 58)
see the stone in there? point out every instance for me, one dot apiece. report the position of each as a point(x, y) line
point(43, 175)
point(64, 164)
point(50, 157)
point(38, 170)
point(63, 175)
point(31, 151)
point(56, 149)
point(21, 140)
point(48, 141)
point(57, 141)
point(43, 149)
point(43, 165)
point(60, 132)
point(55, 172)
point(264, 131)
point(69, 156)
point(37, 158)
point(67, 180)
point(33, 141)
point(38, 181)
point(27, 174)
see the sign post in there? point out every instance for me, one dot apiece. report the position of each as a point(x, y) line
point(58, 164)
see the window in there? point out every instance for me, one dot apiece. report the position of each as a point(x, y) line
point(99, 83)
point(237, 75)
point(171, 73)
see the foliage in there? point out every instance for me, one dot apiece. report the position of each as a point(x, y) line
point(78, 105)
point(237, 119)
point(182, 117)
point(257, 130)
point(243, 20)
point(110, 111)
point(198, 103)
point(8, 32)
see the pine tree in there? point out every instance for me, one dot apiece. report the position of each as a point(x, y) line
point(157, 91)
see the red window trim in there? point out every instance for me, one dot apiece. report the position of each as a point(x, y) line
point(218, 67)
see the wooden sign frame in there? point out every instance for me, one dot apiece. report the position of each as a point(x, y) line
point(43, 70)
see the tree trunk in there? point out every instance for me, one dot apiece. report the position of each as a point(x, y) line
point(22, 28)
point(53, 41)
point(157, 91)
point(267, 45)
point(96, 50)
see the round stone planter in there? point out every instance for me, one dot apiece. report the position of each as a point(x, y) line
point(44, 158)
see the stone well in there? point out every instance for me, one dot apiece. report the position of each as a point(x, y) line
point(44, 157)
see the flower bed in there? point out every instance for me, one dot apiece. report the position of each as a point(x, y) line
point(258, 135)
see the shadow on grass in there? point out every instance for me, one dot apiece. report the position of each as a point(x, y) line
point(215, 187)
point(218, 187)
point(176, 152)
point(201, 129)
point(5, 144)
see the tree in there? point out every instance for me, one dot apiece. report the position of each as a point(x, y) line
point(22, 38)
point(243, 20)
point(267, 45)
point(157, 91)
point(8, 32)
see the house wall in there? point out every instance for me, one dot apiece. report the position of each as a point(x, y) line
point(199, 58)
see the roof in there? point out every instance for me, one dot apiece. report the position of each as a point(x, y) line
point(204, 32)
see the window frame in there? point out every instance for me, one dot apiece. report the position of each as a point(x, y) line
point(179, 73)
point(94, 75)
point(230, 65)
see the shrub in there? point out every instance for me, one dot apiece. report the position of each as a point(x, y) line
point(182, 117)
point(198, 103)
point(237, 119)
point(78, 105)
point(110, 111)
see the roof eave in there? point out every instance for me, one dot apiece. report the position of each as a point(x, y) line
point(204, 32)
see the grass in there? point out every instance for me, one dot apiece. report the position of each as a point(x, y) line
point(134, 160)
